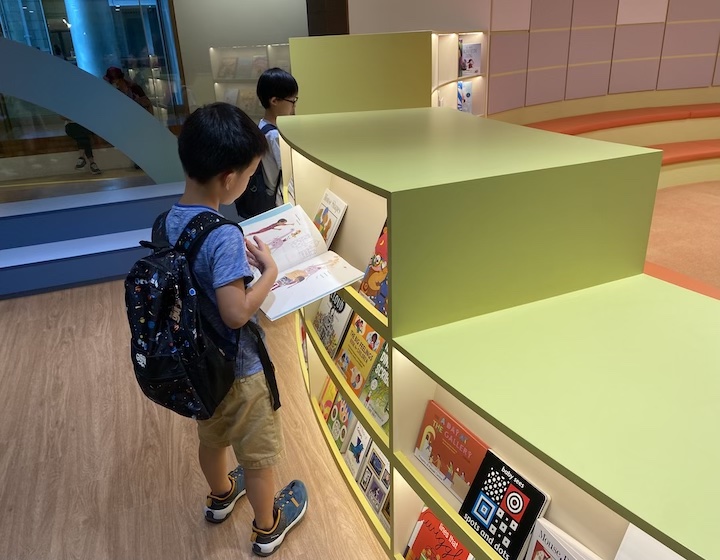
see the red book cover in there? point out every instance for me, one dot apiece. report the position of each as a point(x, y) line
point(449, 450)
point(431, 540)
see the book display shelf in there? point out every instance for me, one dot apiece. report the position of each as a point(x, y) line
point(236, 70)
point(389, 71)
point(517, 302)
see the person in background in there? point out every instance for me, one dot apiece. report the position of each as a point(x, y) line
point(83, 140)
point(116, 77)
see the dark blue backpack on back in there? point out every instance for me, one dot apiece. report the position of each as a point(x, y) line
point(256, 200)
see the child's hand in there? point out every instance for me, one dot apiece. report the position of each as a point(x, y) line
point(259, 256)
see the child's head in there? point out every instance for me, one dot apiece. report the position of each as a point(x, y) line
point(277, 91)
point(219, 141)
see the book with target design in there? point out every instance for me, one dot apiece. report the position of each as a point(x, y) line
point(341, 422)
point(502, 507)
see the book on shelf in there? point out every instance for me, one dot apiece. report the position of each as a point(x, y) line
point(374, 479)
point(227, 68)
point(259, 65)
point(304, 342)
point(375, 394)
point(464, 96)
point(470, 59)
point(638, 545)
point(502, 506)
point(358, 446)
point(341, 422)
point(549, 542)
point(327, 397)
point(243, 70)
point(358, 352)
point(431, 540)
point(307, 270)
point(451, 452)
point(374, 285)
point(331, 321)
point(231, 96)
point(329, 214)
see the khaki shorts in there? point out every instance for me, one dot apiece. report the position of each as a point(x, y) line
point(245, 419)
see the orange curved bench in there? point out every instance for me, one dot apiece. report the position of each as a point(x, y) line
point(581, 124)
point(683, 152)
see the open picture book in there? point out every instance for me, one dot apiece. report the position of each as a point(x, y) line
point(307, 270)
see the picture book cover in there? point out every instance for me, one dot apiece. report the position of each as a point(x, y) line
point(243, 69)
point(230, 96)
point(341, 422)
point(329, 214)
point(548, 542)
point(374, 478)
point(327, 397)
point(331, 321)
point(449, 450)
point(375, 394)
point(465, 96)
point(374, 284)
point(502, 507)
point(470, 61)
point(307, 270)
point(259, 65)
point(226, 70)
point(357, 448)
point(358, 352)
point(431, 540)
point(386, 512)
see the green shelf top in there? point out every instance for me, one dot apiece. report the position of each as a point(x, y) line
point(403, 149)
point(616, 386)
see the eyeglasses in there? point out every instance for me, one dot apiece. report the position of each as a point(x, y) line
point(293, 100)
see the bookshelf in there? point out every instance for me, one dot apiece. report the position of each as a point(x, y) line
point(235, 71)
point(389, 71)
point(518, 303)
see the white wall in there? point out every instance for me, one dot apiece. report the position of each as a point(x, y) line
point(382, 16)
point(202, 24)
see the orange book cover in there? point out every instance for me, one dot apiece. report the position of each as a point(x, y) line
point(327, 397)
point(358, 352)
point(449, 450)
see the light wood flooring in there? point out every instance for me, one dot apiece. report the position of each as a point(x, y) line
point(90, 469)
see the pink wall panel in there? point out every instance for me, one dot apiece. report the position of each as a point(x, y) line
point(506, 92)
point(641, 11)
point(511, 15)
point(545, 86)
point(587, 81)
point(636, 75)
point(684, 10)
point(638, 41)
point(551, 14)
point(591, 45)
point(509, 52)
point(691, 38)
point(594, 12)
point(548, 48)
point(679, 73)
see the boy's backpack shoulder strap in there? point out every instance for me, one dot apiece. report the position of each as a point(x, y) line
point(267, 127)
point(159, 231)
point(197, 229)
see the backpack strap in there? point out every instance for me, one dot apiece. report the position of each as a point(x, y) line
point(267, 365)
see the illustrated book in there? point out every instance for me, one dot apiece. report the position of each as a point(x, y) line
point(227, 67)
point(341, 422)
point(329, 214)
point(331, 321)
point(431, 540)
point(374, 478)
point(327, 397)
point(358, 352)
point(374, 285)
point(375, 394)
point(450, 451)
point(502, 507)
point(549, 542)
point(465, 96)
point(358, 446)
point(307, 270)
point(470, 59)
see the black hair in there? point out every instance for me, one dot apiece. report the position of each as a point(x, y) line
point(275, 82)
point(218, 138)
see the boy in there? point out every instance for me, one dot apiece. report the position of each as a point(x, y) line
point(220, 148)
point(277, 91)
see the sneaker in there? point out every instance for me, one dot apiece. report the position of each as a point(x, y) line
point(217, 509)
point(290, 507)
point(94, 169)
point(80, 163)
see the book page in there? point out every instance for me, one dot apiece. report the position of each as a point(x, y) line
point(638, 545)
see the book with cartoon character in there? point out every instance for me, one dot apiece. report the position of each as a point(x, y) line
point(449, 450)
point(327, 397)
point(341, 422)
point(374, 285)
point(329, 214)
point(375, 394)
point(470, 59)
point(308, 271)
point(331, 321)
point(431, 540)
point(358, 446)
point(374, 479)
point(549, 542)
point(358, 352)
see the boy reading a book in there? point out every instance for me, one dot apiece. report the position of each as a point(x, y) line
point(220, 148)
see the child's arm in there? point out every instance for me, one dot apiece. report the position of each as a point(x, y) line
point(238, 304)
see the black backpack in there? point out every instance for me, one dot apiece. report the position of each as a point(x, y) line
point(180, 361)
point(256, 200)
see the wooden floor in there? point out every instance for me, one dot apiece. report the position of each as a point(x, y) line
point(89, 469)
